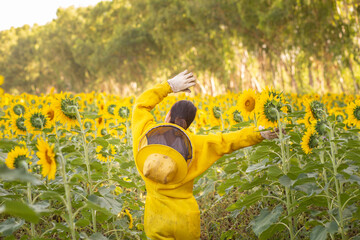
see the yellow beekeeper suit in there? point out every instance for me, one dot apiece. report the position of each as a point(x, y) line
point(171, 211)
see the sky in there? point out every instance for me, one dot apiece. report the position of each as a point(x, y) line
point(16, 13)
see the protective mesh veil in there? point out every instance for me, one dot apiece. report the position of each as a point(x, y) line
point(169, 136)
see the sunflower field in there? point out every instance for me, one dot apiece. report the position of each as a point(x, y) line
point(67, 168)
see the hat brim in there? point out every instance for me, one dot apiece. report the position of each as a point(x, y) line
point(168, 151)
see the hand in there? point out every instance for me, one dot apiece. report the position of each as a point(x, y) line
point(269, 135)
point(182, 82)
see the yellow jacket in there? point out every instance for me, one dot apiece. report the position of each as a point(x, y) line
point(171, 211)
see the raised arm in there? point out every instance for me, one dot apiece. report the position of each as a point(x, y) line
point(142, 119)
point(209, 148)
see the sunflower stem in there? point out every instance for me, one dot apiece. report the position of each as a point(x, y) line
point(87, 163)
point(326, 187)
point(33, 233)
point(67, 189)
point(337, 184)
point(286, 169)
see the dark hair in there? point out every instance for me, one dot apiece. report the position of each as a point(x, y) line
point(183, 113)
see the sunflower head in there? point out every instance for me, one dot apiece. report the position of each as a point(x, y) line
point(66, 108)
point(309, 140)
point(216, 112)
point(69, 107)
point(314, 109)
point(18, 124)
point(46, 157)
point(237, 116)
point(123, 112)
point(36, 120)
point(18, 109)
point(268, 108)
point(18, 158)
point(353, 112)
point(247, 102)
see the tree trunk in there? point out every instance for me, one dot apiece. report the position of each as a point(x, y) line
point(356, 86)
point(311, 80)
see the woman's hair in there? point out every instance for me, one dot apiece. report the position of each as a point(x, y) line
point(183, 113)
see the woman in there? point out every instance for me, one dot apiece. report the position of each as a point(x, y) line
point(169, 158)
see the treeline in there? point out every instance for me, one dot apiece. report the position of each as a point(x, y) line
point(122, 46)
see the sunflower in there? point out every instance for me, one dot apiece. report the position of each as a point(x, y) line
point(18, 157)
point(267, 107)
point(309, 140)
point(246, 103)
point(314, 110)
point(105, 154)
point(353, 112)
point(122, 112)
point(65, 107)
point(18, 109)
point(46, 157)
point(17, 125)
point(108, 111)
point(36, 120)
point(50, 112)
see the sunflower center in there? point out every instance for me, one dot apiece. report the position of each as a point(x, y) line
point(47, 157)
point(124, 112)
point(20, 161)
point(313, 141)
point(20, 124)
point(217, 112)
point(111, 109)
point(357, 112)
point(38, 120)
point(69, 107)
point(19, 109)
point(250, 104)
point(51, 114)
point(100, 120)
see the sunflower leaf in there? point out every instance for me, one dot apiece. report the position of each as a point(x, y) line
point(19, 174)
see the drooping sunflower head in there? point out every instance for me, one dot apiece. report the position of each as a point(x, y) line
point(236, 116)
point(108, 110)
point(66, 108)
point(315, 110)
point(122, 112)
point(18, 158)
point(216, 111)
point(89, 124)
point(36, 120)
point(18, 125)
point(353, 112)
point(46, 157)
point(268, 107)
point(18, 109)
point(247, 103)
point(309, 140)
